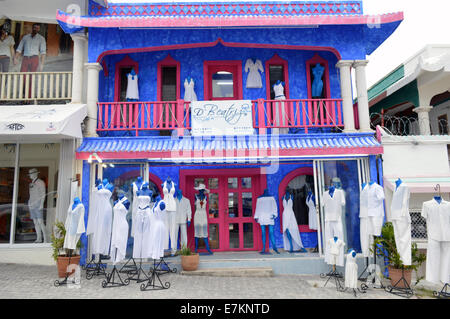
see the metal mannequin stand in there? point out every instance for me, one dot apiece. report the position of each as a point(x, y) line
point(126, 268)
point(355, 291)
point(337, 278)
point(95, 268)
point(151, 281)
point(110, 279)
point(444, 293)
point(58, 283)
point(401, 287)
point(162, 267)
point(136, 275)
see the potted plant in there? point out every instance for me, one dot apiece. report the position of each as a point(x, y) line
point(385, 247)
point(61, 255)
point(189, 259)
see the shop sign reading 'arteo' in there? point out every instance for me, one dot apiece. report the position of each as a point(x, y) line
point(221, 118)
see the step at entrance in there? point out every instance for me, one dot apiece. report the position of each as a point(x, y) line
point(231, 272)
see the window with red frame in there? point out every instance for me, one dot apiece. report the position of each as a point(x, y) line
point(224, 80)
point(311, 64)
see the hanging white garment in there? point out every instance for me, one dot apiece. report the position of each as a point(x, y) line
point(279, 110)
point(351, 272)
point(375, 209)
point(266, 210)
point(102, 233)
point(132, 87)
point(365, 229)
point(142, 237)
point(158, 233)
point(200, 218)
point(438, 248)
point(119, 236)
point(290, 223)
point(74, 226)
point(401, 221)
point(169, 216)
point(184, 214)
point(335, 249)
point(93, 213)
point(169, 198)
point(312, 213)
point(189, 92)
point(254, 78)
point(134, 205)
point(343, 218)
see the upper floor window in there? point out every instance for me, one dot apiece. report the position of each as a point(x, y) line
point(168, 79)
point(223, 80)
point(276, 70)
point(318, 78)
point(123, 68)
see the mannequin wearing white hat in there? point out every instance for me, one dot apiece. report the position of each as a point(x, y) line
point(36, 204)
point(200, 217)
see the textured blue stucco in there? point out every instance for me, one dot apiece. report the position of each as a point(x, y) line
point(85, 192)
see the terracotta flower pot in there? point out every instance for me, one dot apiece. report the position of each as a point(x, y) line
point(396, 274)
point(190, 263)
point(62, 264)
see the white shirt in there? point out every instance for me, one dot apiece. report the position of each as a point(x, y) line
point(438, 219)
point(266, 210)
point(5, 45)
point(400, 202)
point(375, 201)
point(184, 211)
point(32, 45)
point(335, 246)
point(333, 205)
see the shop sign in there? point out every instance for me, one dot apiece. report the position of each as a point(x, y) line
point(15, 126)
point(222, 118)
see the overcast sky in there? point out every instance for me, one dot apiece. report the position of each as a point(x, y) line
point(426, 22)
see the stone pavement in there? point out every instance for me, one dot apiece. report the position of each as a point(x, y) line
point(31, 282)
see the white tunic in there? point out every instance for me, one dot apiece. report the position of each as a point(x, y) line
point(333, 205)
point(132, 87)
point(290, 223)
point(438, 219)
point(335, 249)
point(254, 78)
point(74, 226)
point(200, 218)
point(158, 233)
point(189, 92)
point(184, 211)
point(169, 198)
point(375, 201)
point(266, 210)
point(134, 205)
point(142, 240)
point(119, 236)
point(401, 222)
point(351, 272)
point(312, 214)
point(102, 228)
point(400, 203)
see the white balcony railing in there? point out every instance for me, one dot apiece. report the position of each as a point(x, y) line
point(25, 86)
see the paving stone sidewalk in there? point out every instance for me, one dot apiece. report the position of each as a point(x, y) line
point(31, 281)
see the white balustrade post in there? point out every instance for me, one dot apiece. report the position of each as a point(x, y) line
point(346, 94)
point(363, 100)
point(424, 119)
point(93, 70)
point(79, 41)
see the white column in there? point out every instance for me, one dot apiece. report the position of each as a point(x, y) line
point(363, 100)
point(79, 41)
point(424, 119)
point(346, 94)
point(93, 70)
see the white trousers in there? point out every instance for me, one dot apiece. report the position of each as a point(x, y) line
point(183, 234)
point(402, 233)
point(369, 227)
point(438, 261)
point(171, 225)
point(334, 229)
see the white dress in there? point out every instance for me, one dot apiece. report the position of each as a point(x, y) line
point(142, 240)
point(266, 210)
point(134, 205)
point(119, 236)
point(254, 78)
point(132, 87)
point(312, 214)
point(290, 223)
point(102, 233)
point(200, 218)
point(74, 226)
point(93, 213)
point(351, 272)
point(401, 221)
point(279, 111)
point(158, 233)
point(189, 92)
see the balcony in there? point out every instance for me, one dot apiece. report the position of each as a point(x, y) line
point(35, 86)
point(137, 117)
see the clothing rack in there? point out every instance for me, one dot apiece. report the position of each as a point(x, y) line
point(151, 281)
point(444, 293)
point(110, 280)
point(401, 287)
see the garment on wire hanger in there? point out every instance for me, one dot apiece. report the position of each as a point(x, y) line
point(290, 224)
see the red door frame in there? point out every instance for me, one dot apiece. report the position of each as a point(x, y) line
point(259, 183)
point(210, 67)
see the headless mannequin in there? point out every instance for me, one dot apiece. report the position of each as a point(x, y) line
point(270, 228)
point(133, 75)
point(201, 195)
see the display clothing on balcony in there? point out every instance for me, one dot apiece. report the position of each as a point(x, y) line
point(132, 87)
point(254, 78)
point(74, 226)
point(189, 92)
point(119, 236)
point(401, 221)
point(279, 110)
point(290, 224)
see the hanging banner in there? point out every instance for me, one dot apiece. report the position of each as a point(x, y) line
point(222, 118)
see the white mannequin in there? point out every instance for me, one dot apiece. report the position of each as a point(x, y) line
point(36, 204)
